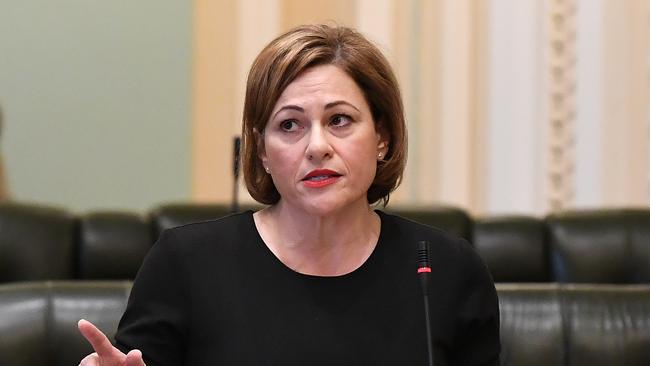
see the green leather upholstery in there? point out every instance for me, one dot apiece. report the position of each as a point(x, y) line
point(532, 328)
point(596, 246)
point(600, 246)
point(574, 325)
point(541, 324)
point(608, 324)
point(38, 319)
point(177, 214)
point(450, 219)
point(36, 243)
point(514, 248)
point(112, 245)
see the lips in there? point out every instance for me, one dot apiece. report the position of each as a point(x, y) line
point(320, 178)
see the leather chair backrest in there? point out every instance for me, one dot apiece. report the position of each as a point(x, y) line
point(112, 245)
point(23, 324)
point(513, 247)
point(38, 319)
point(541, 324)
point(574, 325)
point(609, 325)
point(172, 215)
point(600, 246)
point(450, 219)
point(638, 231)
point(36, 243)
point(532, 329)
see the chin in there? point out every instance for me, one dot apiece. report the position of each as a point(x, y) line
point(327, 207)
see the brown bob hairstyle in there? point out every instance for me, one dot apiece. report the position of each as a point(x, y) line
point(282, 60)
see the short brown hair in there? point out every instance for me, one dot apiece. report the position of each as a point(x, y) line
point(282, 60)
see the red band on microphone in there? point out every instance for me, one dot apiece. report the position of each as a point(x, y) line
point(424, 269)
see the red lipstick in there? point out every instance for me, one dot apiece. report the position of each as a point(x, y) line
point(320, 178)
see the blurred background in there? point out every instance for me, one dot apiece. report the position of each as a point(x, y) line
point(513, 106)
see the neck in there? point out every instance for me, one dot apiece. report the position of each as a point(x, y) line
point(324, 245)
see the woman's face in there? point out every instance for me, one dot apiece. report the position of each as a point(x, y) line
point(320, 143)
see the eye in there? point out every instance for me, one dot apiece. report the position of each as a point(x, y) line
point(340, 120)
point(289, 125)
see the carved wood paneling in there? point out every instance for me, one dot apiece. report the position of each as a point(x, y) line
point(561, 33)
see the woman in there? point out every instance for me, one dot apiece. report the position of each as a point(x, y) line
point(318, 277)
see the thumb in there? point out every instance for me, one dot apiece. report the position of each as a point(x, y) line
point(134, 358)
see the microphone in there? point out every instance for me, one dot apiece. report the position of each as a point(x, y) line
point(234, 207)
point(424, 272)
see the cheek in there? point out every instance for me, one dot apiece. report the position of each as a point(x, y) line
point(283, 160)
point(363, 158)
point(366, 147)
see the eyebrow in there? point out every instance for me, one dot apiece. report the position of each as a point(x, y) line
point(327, 106)
point(339, 102)
point(291, 107)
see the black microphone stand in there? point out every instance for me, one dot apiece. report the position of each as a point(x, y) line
point(234, 205)
point(424, 271)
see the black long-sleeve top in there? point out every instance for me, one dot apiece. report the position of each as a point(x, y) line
point(212, 293)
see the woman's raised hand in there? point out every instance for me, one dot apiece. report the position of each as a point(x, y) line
point(105, 354)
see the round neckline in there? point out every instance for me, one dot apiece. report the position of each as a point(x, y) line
point(356, 272)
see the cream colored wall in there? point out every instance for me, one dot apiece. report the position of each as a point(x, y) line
point(515, 108)
point(212, 98)
point(625, 125)
point(477, 81)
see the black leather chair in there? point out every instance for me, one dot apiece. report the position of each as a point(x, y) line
point(608, 325)
point(450, 219)
point(532, 328)
point(177, 214)
point(574, 325)
point(600, 246)
point(38, 319)
point(541, 324)
point(112, 245)
point(513, 247)
point(36, 243)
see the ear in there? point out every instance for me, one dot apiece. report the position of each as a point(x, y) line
point(259, 142)
point(382, 140)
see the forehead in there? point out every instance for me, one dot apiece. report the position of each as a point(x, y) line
point(322, 84)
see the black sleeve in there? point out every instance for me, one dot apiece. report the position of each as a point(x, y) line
point(155, 318)
point(477, 341)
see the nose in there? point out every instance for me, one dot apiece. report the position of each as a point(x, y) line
point(319, 146)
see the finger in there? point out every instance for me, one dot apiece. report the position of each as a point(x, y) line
point(134, 358)
point(96, 338)
point(90, 360)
